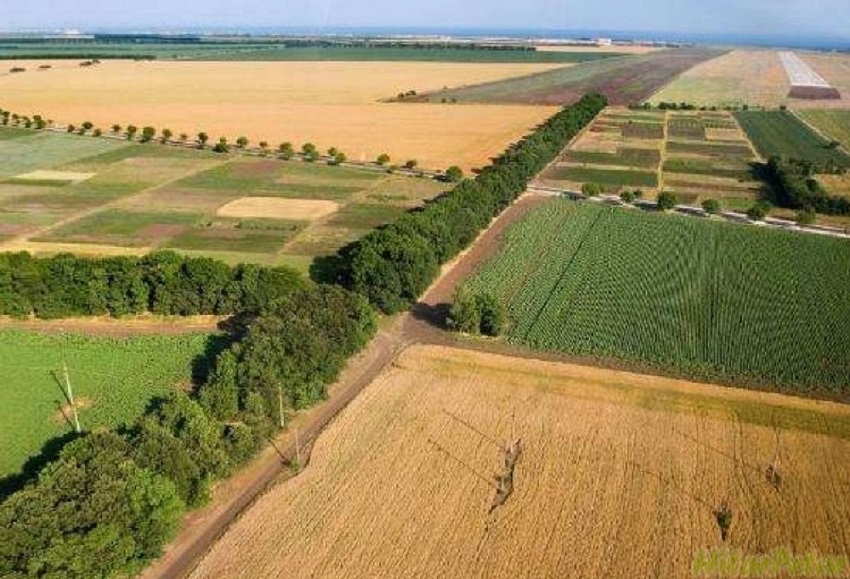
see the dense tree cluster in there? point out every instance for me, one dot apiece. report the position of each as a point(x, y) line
point(476, 313)
point(794, 186)
point(394, 265)
point(112, 499)
point(162, 283)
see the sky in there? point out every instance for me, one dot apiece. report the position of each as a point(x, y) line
point(829, 18)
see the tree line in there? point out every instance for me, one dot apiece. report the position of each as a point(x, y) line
point(163, 283)
point(393, 265)
point(111, 499)
point(793, 185)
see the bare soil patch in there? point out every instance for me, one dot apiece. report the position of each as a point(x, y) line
point(277, 208)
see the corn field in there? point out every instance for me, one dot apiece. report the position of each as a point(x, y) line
point(708, 300)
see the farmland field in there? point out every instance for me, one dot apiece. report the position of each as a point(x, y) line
point(327, 103)
point(696, 154)
point(136, 197)
point(782, 133)
point(835, 124)
point(112, 379)
point(625, 80)
point(619, 477)
point(755, 78)
point(709, 300)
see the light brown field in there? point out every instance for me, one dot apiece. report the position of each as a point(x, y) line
point(276, 208)
point(327, 103)
point(835, 69)
point(619, 477)
point(46, 175)
point(754, 77)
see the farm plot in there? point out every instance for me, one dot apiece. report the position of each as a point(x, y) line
point(835, 124)
point(26, 153)
point(620, 476)
point(626, 80)
point(782, 133)
point(710, 300)
point(327, 103)
point(805, 82)
point(113, 380)
point(138, 197)
point(743, 76)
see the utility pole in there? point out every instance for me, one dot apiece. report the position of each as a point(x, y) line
point(71, 397)
point(280, 404)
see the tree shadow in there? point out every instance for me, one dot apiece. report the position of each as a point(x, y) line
point(204, 363)
point(326, 269)
point(433, 315)
point(29, 471)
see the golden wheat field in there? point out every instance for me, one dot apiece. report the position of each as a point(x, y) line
point(620, 475)
point(327, 103)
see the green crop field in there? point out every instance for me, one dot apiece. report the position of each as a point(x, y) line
point(707, 300)
point(835, 124)
point(46, 150)
point(624, 157)
point(270, 51)
point(112, 381)
point(782, 133)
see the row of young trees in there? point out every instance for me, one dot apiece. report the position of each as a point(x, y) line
point(112, 499)
point(794, 186)
point(163, 283)
point(392, 266)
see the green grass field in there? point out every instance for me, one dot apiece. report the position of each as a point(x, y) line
point(707, 300)
point(781, 133)
point(113, 381)
point(835, 124)
point(624, 157)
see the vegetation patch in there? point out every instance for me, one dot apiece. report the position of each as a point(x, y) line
point(43, 150)
point(245, 236)
point(116, 379)
point(625, 156)
point(781, 133)
point(713, 301)
point(606, 177)
point(711, 149)
point(129, 228)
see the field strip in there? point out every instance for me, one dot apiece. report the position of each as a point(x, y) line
point(844, 147)
point(20, 242)
point(117, 327)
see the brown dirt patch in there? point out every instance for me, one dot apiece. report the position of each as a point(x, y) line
point(276, 208)
point(159, 231)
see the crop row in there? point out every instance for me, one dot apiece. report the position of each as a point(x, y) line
point(709, 300)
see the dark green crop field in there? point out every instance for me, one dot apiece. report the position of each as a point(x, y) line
point(711, 301)
point(782, 133)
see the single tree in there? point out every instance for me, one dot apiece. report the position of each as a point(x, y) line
point(166, 135)
point(203, 138)
point(184, 137)
point(627, 196)
point(332, 152)
point(97, 133)
point(71, 128)
point(711, 206)
point(286, 150)
point(383, 159)
point(148, 133)
point(221, 146)
point(591, 189)
point(242, 142)
point(338, 159)
point(116, 128)
point(454, 174)
point(806, 217)
point(666, 201)
point(88, 125)
point(411, 164)
point(264, 148)
point(758, 211)
point(131, 132)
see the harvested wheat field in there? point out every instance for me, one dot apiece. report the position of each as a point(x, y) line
point(619, 475)
point(835, 69)
point(276, 208)
point(327, 103)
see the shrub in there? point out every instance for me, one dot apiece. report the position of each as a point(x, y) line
point(666, 201)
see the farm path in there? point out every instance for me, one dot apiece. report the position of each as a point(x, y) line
point(25, 241)
point(230, 498)
point(116, 328)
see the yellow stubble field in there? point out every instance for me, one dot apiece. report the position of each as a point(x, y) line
point(327, 103)
point(621, 475)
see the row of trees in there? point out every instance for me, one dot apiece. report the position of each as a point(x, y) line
point(162, 283)
point(394, 265)
point(793, 185)
point(111, 499)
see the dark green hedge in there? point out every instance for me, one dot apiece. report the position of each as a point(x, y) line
point(394, 265)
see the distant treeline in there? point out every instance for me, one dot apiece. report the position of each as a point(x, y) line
point(793, 185)
point(392, 266)
point(162, 283)
point(108, 501)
